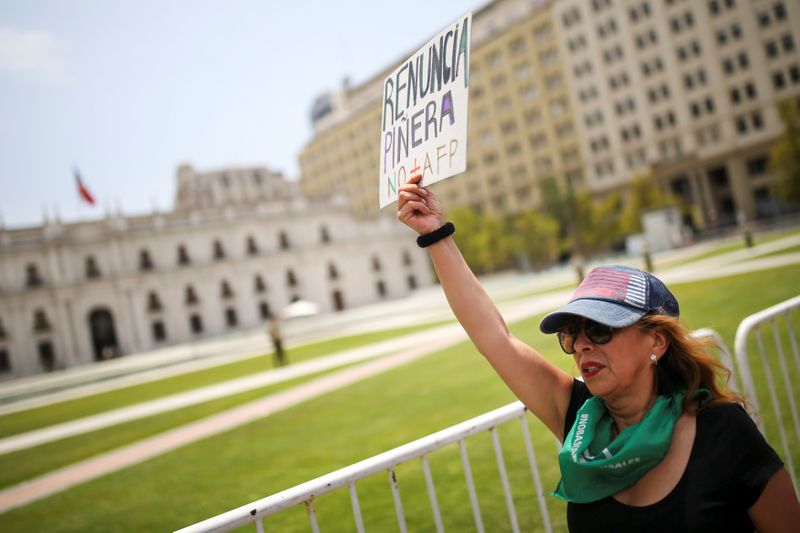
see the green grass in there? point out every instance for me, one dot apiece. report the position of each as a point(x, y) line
point(736, 245)
point(790, 250)
point(40, 417)
point(26, 464)
point(337, 429)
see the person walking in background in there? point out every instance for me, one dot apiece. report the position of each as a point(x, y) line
point(274, 330)
point(653, 440)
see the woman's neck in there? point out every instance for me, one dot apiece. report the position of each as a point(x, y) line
point(630, 410)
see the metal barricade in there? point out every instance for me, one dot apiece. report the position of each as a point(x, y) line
point(307, 492)
point(778, 320)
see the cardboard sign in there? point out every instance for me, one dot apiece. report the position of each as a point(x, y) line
point(424, 118)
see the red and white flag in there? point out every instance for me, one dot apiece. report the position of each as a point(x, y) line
point(83, 192)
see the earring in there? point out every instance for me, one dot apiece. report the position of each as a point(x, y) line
point(653, 358)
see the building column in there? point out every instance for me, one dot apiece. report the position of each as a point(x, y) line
point(740, 189)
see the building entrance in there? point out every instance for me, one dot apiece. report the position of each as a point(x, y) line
point(104, 337)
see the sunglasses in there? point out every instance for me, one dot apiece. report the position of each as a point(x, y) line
point(595, 332)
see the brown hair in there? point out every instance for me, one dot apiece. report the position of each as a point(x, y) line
point(688, 364)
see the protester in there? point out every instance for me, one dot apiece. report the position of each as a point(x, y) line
point(652, 440)
point(274, 330)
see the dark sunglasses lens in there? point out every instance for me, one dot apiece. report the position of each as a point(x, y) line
point(567, 341)
point(597, 333)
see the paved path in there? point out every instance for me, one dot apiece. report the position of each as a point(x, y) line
point(439, 338)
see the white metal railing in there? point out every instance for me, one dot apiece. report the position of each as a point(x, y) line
point(752, 324)
point(305, 493)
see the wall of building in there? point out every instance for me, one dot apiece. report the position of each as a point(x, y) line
point(243, 262)
point(592, 93)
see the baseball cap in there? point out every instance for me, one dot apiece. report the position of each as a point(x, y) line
point(617, 296)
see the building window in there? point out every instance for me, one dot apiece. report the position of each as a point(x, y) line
point(406, 258)
point(92, 270)
point(376, 264)
point(153, 302)
point(191, 295)
point(32, 277)
point(145, 262)
point(252, 247)
point(159, 331)
point(196, 324)
point(40, 322)
point(284, 240)
point(324, 235)
point(259, 284)
point(380, 286)
point(225, 289)
point(183, 256)
point(47, 356)
point(219, 251)
point(3, 332)
point(231, 320)
point(757, 166)
point(5, 361)
point(291, 279)
point(333, 273)
point(263, 310)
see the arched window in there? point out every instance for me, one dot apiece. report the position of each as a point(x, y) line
point(32, 277)
point(191, 295)
point(225, 289)
point(219, 251)
point(252, 247)
point(92, 270)
point(40, 322)
point(284, 240)
point(231, 320)
point(183, 255)
point(153, 302)
point(145, 261)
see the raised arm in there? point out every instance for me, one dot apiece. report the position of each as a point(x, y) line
point(540, 385)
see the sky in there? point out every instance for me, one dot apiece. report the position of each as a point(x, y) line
point(125, 91)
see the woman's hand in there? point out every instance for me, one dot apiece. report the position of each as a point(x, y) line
point(418, 207)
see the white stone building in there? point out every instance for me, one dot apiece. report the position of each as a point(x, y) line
point(239, 244)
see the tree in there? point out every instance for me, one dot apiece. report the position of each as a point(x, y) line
point(785, 154)
point(642, 195)
point(538, 237)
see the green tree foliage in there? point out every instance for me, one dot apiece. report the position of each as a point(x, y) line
point(642, 195)
point(785, 155)
point(539, 237)
point(597, 220)
point(490, 243)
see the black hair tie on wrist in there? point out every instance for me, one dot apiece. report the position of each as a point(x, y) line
point(425, 240)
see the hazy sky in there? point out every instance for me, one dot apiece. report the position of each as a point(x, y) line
point(127, 90)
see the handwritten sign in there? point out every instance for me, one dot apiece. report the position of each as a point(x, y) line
point(424, 122)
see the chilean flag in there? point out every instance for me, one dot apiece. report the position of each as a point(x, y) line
point(83, 192)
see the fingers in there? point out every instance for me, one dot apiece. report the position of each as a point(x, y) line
point(413, 184)
point(410, 209)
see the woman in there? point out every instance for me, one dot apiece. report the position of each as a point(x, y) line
point(650, 438)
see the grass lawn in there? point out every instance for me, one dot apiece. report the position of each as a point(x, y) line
point(39, 417)
point(737, 244)
point(337, 429)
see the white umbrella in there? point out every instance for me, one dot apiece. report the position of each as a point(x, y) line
point(300, 308)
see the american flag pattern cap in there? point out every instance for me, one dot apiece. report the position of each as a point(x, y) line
point(615, 295)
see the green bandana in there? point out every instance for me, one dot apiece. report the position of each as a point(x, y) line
point(594, 467)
